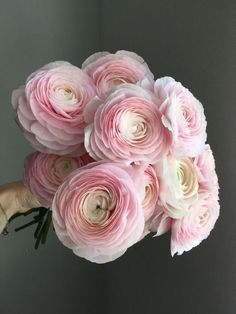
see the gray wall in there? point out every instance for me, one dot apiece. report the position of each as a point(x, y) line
point(52, 279)
point(193, 41)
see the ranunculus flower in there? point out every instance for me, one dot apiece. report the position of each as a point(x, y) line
point(161, 222)
point(178, 185)
point(205, 166)
point(126, 127)
point(97, 211)
point(45, 172)
point(50, 108)
point(183, 114)
point(189, 231)
point(151, 197)
point(108, 70)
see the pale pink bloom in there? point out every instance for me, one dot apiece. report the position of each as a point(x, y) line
point(205, 166)
point(50, 108)
point(184, 116)
point(97, 211)
point(161, 222)
point(151, 197)
point(178, 185)
point(189, 231)
point(126, 127)
point(108, 70)
point(44, 173)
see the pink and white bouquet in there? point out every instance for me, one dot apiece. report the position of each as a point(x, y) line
point(119, 155)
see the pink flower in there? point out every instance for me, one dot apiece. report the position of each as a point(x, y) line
point(196, 226)
point(108, 70)
point(161, 222)
point(151, 197)
point(126, 127)
point(189, 231)
point(183, 114)
point(50, 108)
point(45, 172)
point(205, 166)
point(97, 211)
point(178, 185)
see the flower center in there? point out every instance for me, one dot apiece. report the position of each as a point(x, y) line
point(133, 126)
point(187, 177)
point(97, 207)
point(64, 166)
point(66, 93)
point(186, 118)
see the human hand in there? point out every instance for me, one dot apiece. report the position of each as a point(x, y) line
point(15, 198)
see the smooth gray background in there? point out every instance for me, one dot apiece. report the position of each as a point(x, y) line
point(193, 41)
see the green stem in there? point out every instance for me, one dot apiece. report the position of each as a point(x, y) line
point(26, 225)
point(47, 226)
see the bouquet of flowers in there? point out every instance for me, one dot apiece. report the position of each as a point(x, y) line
point(118, 155)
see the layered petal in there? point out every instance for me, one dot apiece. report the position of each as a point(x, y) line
point(108, 70)
point(192, 229)
point(178, 185)
point(50, 108)
point(127, 127)
point(44, 173)
point(96, 211)
point(184, 116)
